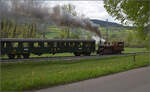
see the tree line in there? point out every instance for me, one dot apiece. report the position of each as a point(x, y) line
point(9, 29)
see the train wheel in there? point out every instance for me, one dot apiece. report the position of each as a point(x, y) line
point(76, 54)
point(25, 55)
point(19, 56)
point(119, 52)
point(11, 56)
point(87, 54)
point(101, 53)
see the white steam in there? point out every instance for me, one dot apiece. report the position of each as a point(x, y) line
point(98, 39)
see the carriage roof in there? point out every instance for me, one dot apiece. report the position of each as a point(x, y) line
point(42, 40)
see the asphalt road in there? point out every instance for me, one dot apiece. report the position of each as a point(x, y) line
point(137, 80)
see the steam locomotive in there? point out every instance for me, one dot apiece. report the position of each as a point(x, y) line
point(24, 47)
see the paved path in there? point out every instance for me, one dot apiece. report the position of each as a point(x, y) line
point(137, 80)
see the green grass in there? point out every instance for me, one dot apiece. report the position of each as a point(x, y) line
point(45, 55)
point(54, 32)
point(51, 55)
point(112, 32)
point(133, 50)
point(34, 75)
point(52, 35)
point(57, 54)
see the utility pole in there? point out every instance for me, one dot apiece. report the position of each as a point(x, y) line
point(107, 30)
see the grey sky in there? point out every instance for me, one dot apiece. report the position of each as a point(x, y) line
point(91, 9)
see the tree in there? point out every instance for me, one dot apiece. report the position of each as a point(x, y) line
point(132, 11)
point(71, 9)
point(15, 13)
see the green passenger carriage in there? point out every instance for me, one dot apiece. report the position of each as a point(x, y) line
point(24, 47)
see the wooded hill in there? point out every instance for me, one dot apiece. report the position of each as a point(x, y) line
point(109, 24)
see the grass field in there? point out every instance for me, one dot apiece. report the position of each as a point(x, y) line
point(55, 32)
point(134, 50)
point(52, 35)
point(46, 55)
point(34, 75)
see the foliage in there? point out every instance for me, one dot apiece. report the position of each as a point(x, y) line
point(64, 33)
point(15, 22)
point(129, 37)
point(9, 29)
point(70, 8)
point(132, 11)
point(132, 40)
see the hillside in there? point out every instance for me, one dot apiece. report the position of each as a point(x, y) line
point(105, 23)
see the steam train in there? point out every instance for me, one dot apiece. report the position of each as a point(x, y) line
point(24, 47)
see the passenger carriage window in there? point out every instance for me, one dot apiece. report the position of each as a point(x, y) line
point(76, 44)
point(4, 44)
point(48, 44)
point(65, 44)
point(58, 44)
point(8, 44)
point(89, 44)
point(30, 44)
point(72, 44)
point(86, 44)
point(55, 44)
point(62, 44)
point(45, 44)
point(81, 44)
point(69, 43)
point(52, 44)
point(1, 44)
point(36, 44)
point(15, 44)
point(41, 44)
point(25, 44)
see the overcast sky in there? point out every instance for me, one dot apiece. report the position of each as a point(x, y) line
point(91, 9)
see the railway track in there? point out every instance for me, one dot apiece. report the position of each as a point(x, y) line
point(53, 58)
point(69, 58)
